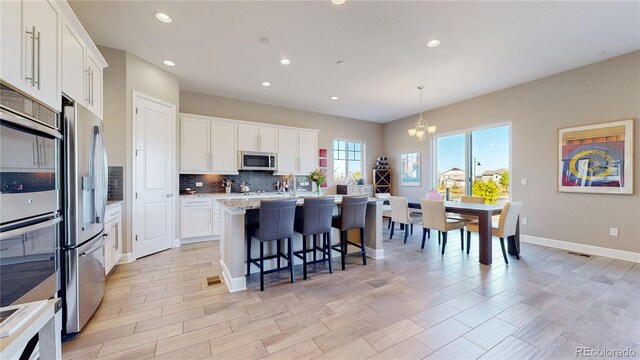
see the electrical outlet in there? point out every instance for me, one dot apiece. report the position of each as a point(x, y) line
point(199, 184)
point(613, 232)
point(523, 221)
point(523, 181)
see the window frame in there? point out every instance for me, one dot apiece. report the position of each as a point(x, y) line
point(346, 159)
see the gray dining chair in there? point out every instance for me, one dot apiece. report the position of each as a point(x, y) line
point(506, 227)
point(353, 211)
point(276, 220)
point(316, 222)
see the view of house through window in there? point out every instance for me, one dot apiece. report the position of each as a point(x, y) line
point(347, 159)
point(474, 163)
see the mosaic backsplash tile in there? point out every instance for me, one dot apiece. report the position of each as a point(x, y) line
point(115, 190)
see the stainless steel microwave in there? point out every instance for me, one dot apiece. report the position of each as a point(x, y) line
point(252, 160)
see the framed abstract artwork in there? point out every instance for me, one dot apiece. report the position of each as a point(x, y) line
point(596, 158)
point(410, 169)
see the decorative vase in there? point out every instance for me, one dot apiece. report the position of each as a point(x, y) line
point(318, 190)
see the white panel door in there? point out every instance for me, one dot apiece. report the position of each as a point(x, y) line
point(224, 152)
point(287, 151)
point(248, 138)
point(195, 145)
point(268, 140)
point(154, 148)
point(307, 151)
point(74, 78)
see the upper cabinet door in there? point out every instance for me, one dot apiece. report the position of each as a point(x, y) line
point(307, 151)
point(195, 145)
point(268, 139)
point(74, 76)
point(94, 85)
point(41, 22)
point(11, 35)
point(288, 151)
point(248, 138)
point(223, 148)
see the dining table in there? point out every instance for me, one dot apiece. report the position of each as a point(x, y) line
point(484, 212)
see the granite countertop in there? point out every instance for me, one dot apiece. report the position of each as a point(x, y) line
point(238, 195)
point(254, 203)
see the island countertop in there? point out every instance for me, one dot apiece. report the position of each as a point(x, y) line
point(254, 203)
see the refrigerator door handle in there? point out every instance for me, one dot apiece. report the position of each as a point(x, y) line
point(95, 248)
point(99, 153)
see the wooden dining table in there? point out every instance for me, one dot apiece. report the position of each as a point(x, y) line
point(484, 212)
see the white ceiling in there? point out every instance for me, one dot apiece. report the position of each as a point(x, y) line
point(485, 46)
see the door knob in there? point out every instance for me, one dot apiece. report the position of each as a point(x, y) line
point(168, 195)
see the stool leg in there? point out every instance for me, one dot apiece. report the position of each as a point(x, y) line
point(261, 266)
point(504, 253)
point(248, 254)
point(462, 239)
point(364, 251)
point(424, 237)
point(315, 253)
point(406, 233)
point(304, 257)
point(468, 241)
point(290, 246)
point(411, 229)
point(343, 248)
point(393, 227)
point(439, 236)
point(328, 250)
point(444, 241)
point(278, 252)
point(389, 224)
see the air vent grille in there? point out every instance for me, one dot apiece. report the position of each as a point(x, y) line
point(214, 280)
point(579, 254)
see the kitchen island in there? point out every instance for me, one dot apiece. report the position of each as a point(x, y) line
point(237, 213)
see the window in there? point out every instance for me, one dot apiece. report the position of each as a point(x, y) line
point(474, 162)
point(348, 159)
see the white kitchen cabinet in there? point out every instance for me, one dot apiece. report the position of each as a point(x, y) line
point(215, 219)
point(113, 229)
point(224, 152)
point(288, 154)
point(74, 75)
point(196, 218)
point(31, 48)
point(307, 151)
point(257, 138)
point(93, 95)
point(195, 145)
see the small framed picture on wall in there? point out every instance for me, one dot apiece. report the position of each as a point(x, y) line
point(410, 169)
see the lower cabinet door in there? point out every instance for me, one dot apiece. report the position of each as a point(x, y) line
point(109, 255)
point(196, 221)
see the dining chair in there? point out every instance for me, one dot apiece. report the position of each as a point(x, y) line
point(386, 209)
point(466, 218)
point(316, 222)
point(506, 227)
point(400, 214)
point(276, 219)
point(353, 213)
point(434, 218)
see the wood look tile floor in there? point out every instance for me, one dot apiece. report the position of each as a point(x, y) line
point(413, 304)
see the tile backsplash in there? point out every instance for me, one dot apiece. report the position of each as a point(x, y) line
point(115, 187)
point(258, 181)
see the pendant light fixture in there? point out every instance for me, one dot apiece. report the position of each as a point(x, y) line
point(421, 127)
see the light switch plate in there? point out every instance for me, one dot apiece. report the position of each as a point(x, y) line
point(523, 181)
point(523, 221)
point(199, 184)
point(613, 232)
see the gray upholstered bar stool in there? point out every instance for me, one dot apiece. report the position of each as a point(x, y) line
point(353, 211)
point(317, 214)
point(275, 224)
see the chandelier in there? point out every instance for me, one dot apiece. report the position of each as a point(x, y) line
point(422, 128)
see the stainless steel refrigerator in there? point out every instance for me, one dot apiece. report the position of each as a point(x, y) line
point(86, 178)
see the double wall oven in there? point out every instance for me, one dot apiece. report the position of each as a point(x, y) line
point(30, 199)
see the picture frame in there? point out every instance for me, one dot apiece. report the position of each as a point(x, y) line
point(596, 158)
point(322, 162)
point(410, 169)
point(322, 153)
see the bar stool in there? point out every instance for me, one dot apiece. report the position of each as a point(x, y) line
point(353, 212)
point(318, 214)
point(276, 223)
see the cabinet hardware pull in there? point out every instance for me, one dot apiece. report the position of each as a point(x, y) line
point(38, 40)
point(88, 98)
point(33, 56)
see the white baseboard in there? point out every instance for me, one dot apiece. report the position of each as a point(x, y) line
point(195, 240)
point(582, 248)
point(176, 243)
point(127, 258)
point(233, 284)
point(376, 254)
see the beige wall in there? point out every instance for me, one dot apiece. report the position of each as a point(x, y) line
point(330, 126)
point(128, 73)
point(609, 90)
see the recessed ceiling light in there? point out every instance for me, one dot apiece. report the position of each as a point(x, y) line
point(169, 63)
point(338, 2)
point(285, 61)
point(163, 17)
point(266, 83)
point(334, 98)
point(433, 43)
